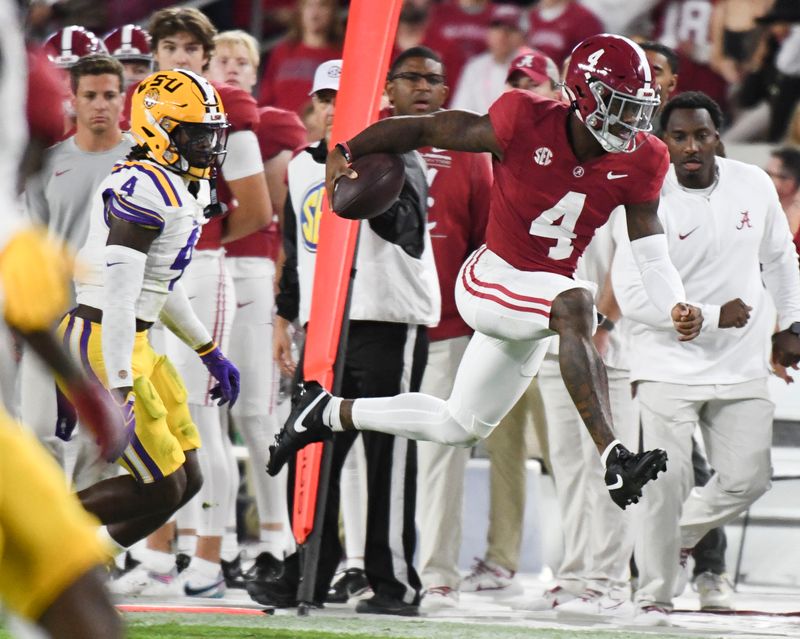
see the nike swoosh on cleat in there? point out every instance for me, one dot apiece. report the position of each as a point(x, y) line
point(197, 592)
point(616, 484)
point(298, 423)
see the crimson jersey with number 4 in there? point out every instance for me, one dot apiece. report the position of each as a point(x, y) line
point(546, 205)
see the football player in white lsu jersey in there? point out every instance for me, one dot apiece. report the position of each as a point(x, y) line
point(142, 233)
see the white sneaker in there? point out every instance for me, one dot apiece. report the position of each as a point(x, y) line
point(438, 598)
point(715, 591)
point(163, 584)
point(198, 585)
point(651, 615)
point(593, 604)
point(489, 578)
point(556, 596)
point(143, 582)
point(131, 583)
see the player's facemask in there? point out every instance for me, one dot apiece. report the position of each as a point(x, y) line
point(619, 117)
point(198, 147)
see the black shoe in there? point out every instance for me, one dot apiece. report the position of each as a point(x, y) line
point(626, 473)
point(280, 593)
point(232, 571)
point(182, 561)
point(267, 567)
point(303, 426)
point(352, 583)
point(382, 605)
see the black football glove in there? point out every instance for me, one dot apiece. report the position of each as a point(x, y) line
point(626, 473)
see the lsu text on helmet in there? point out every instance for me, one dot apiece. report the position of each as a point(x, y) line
point(178, 118)
point(611, 87)
point(129, 43)
point(68, 45)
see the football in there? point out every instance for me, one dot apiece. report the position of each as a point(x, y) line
point(378, 185)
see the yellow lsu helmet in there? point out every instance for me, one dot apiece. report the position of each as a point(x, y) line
point(178, 117)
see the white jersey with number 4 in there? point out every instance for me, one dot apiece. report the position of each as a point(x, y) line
point(143, 193)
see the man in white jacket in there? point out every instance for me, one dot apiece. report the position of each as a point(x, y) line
point(726, 231)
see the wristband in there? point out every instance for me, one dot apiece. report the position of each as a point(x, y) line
point(606, 324)
point(344, 149)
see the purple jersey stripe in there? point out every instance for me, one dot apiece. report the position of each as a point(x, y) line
point(122, 210)
point(159, 178)
point(70, 326)
point(85, 334)
point(132, 468)
point(143, 455)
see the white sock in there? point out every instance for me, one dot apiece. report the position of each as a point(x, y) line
point(107, 540)
point(273, 542)
point(204, 568)
point(187, 544)
point(330, 415)
point(157, 561)
point(230, 545)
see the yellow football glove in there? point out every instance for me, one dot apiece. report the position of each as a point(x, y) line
point(35, 273)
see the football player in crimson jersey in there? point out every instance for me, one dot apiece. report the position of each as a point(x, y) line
point(184, 38)
point(559, 171)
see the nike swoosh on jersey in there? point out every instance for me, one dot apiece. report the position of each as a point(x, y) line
point(682, 236)
point(57, 173)
point(298, 423)
point(615, 176)
point(243, 304)
point(114, 263)
point(616, 484)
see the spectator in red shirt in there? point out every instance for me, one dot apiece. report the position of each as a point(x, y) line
point(556, 26)
point(315, 36)
point(463, 22)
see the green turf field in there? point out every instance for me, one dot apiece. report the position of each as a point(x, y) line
point(213, 626)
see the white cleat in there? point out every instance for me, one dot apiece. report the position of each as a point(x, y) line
point(594, 605)
point(715, 591)
point(439, 598)
point(489, 578)
point(198, 585)
point(651, 615)
point(549, 599)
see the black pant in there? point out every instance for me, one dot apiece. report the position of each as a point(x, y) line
point(375, 362)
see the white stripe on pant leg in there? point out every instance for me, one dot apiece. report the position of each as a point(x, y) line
point(397, 504)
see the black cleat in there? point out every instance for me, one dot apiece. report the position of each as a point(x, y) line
point(382, 605)
point(232, 571)
point(352, 583)
point(267, 567)
point(626, 473)
point(303, 426)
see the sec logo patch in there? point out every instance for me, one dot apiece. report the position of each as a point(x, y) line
point(543, 156)
point(310, 215)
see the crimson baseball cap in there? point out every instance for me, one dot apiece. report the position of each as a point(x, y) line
point(536, 65)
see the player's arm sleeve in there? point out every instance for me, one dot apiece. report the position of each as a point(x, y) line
point(404, 223)
point(630, 292)
point(778, 258)
point(122, 284)
point(179, 317)
point(287, 301)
